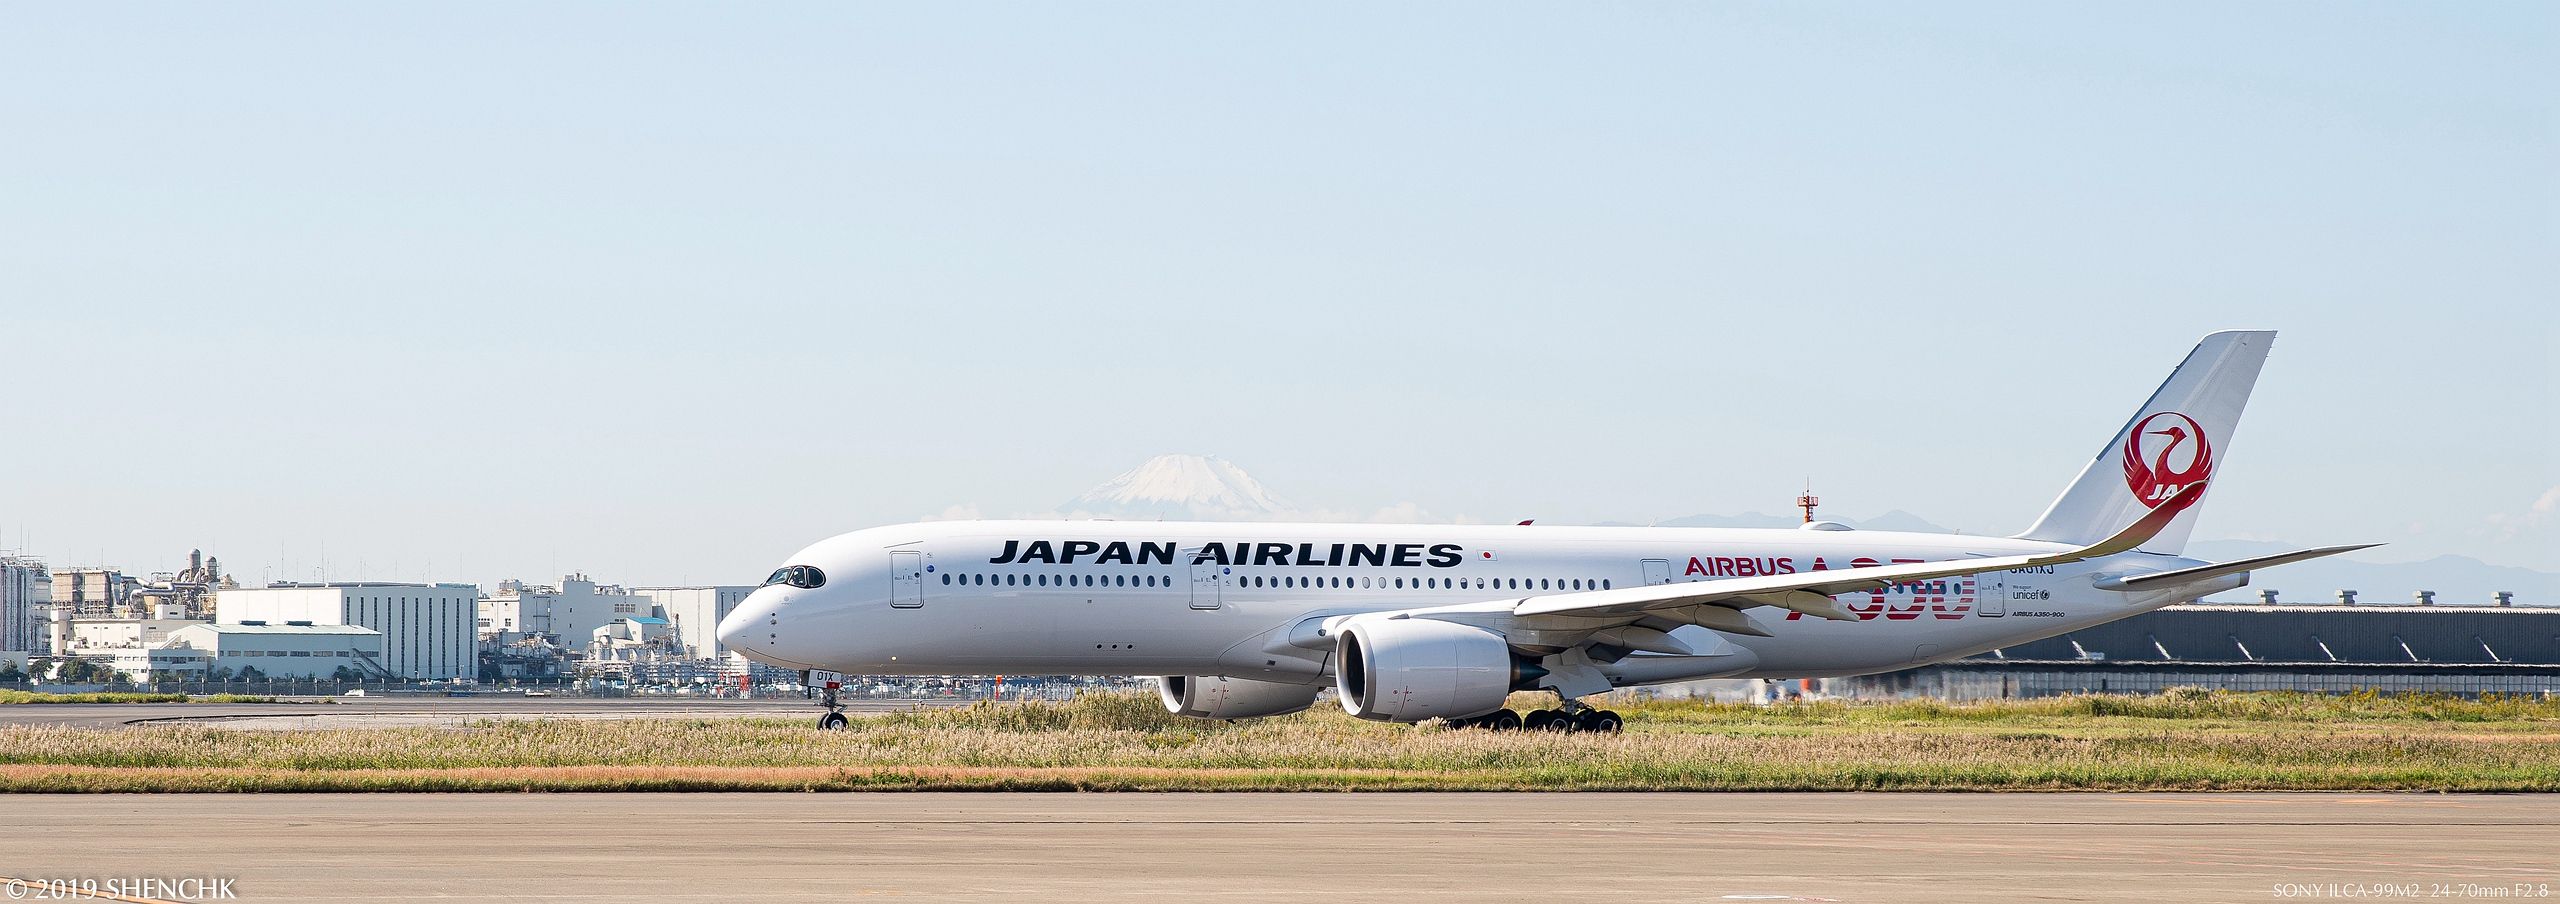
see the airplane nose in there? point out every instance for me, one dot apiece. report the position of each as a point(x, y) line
point(743, 629)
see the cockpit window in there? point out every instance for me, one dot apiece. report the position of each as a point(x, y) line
point(801, 576)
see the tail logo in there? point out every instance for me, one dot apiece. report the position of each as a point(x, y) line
point(2166, 452)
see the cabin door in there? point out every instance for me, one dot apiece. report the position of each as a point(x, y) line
point(906, 578)
point(1208, 582)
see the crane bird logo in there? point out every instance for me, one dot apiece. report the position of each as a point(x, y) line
point(2154, 448)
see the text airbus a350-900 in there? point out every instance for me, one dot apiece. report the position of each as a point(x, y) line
point(1409, 622)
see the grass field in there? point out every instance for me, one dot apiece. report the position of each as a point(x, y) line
point(2196, 740)
point(10, 696)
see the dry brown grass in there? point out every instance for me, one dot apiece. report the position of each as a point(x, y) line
point(1126, 743)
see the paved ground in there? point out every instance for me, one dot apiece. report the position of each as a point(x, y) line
point(1305, 847)
point(375, 712)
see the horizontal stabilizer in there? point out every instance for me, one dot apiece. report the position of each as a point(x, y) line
point(2221, 569)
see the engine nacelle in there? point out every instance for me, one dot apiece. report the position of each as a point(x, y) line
point(1212, 697)
point(1411, 669)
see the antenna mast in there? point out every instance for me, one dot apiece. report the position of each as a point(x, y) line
point(1808, 501)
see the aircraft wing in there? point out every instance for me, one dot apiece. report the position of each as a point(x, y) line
point(1810, 592)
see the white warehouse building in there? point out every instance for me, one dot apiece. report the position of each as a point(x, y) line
point(427, 629)
point(695, 613)
point(281, 651)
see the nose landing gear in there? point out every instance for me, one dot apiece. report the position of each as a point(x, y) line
point(827, 683)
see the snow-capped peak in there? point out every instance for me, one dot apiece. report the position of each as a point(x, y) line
point(1180, 486)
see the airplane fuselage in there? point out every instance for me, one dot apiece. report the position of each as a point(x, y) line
point(1248, 600)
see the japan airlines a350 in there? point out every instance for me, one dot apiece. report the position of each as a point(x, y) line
point(1409, 622)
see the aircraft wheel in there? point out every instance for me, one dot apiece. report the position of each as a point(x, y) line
point(831, 722)
point(1602, 720)
point(1546, 720)
point(1502, 720)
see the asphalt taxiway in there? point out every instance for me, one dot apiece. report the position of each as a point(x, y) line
point(1060, 848)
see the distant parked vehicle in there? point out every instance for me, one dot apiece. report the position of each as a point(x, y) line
point(358, 692)
point(537, 693)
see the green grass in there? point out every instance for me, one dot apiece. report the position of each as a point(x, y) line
point(9, 696)
point(2181, 740)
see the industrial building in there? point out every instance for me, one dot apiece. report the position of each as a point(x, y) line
point(570, 612)
point(26, 587)
point(94, 635)
point(2436, 649)
point(95, 592)
point(695, 614)
point(282, 651)
point(427, 629)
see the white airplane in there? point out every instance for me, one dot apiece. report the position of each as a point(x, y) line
point(1409, 622)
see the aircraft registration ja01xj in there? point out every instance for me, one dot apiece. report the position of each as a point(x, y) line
point(1409, 622)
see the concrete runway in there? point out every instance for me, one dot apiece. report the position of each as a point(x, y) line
point(1300, 847)
point(325, 712)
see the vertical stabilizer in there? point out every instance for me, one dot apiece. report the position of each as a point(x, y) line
point(2178, 438)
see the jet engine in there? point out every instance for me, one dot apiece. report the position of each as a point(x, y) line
point(1411, 669)
point(1212, 697)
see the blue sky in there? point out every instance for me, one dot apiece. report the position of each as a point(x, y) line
point(661, 293)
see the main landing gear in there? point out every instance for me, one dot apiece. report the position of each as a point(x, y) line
point(1577, 718)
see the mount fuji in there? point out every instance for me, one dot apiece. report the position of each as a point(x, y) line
point(1194, 487)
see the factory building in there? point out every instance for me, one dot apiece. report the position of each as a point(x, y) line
point(153, 663)
point(695, 614)
point(97, 635)
point(570, 612)
point(2429, 648)
point(427, 629)
point(280, 651)
point(25, 585)
point(99, 592)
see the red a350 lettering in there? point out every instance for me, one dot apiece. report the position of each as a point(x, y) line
point(1946, 599)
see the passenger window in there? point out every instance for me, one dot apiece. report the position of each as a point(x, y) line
point(1604, 583)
